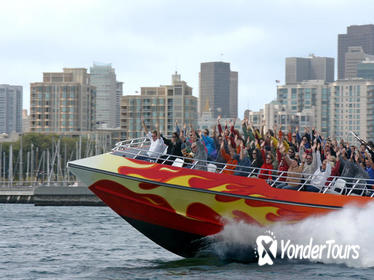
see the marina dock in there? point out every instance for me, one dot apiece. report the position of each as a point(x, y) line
point(50, 195)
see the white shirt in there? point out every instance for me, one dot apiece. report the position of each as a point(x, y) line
point(320, 177)
point(157, 147)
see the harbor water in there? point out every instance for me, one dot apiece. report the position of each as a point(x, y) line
point(95, 243)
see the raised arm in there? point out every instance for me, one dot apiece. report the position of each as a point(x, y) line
point(144, 127)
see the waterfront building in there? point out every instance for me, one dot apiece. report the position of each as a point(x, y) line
point(365, 69)
point(218, 90)
point(160, 106)
point(64, 101)
point(306, 97)
point(119, 92)
point(25, 121)
point(335, 109)
point(108, 93)
point(356, 36)
point(353, 57)
point(300, 69)
point(10, 109)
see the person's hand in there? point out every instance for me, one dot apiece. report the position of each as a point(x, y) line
point(338, 153)
point(314, 147)
point(263, 144)
point(357, 157)
point(304, 157)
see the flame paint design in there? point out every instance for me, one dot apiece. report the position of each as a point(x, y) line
point(178, 208)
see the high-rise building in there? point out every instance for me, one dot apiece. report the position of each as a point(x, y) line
point(365, 70)
point(353, 57)
point(218, 90)
point(160, 106)
point(337, 108)
point(305, 97)
point(357, 36)
point(108, 93)
point(300, 69)
point(64, 101)
point(233, 94)
point(119, 92)
point(10, 109)
point(25, 121)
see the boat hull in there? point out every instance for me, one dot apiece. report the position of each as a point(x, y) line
point(177, 208)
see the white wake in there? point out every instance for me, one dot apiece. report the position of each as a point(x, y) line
point(349, 226)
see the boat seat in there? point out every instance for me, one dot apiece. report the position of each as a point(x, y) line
point(339, 186)
point(212, 167)
point(178, 162)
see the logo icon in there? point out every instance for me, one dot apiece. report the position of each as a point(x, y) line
point(266, 248)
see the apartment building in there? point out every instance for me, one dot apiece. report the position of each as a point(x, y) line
point(64, 101)
point(162, 106)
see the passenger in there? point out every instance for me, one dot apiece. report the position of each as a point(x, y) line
point(244, 163)
point(267, 167)
point(310, 162)
point(370, 170)
point(209, 144)
point(157, 146)
point(294, 174)
point(199, 155)
point(319, 177)
point(231, 162)
point(256, 159)
point(174, 148)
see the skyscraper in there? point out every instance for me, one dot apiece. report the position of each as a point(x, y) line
point(10, 109)
point(63, 102)
point(353, 57)
point(108, 93)
point(218, 90)
point(357, 36)
point(300, 69)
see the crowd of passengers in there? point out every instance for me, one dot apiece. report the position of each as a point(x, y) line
point(301, 159)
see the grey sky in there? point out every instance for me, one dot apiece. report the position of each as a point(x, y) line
point(146, 41)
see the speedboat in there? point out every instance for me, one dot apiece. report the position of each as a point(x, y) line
point(176, 205)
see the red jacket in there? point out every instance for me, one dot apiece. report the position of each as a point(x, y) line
point(266, 174)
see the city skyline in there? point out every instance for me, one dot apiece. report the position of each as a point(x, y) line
point(254, 39)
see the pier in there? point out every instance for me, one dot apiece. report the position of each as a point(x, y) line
point(50, 195)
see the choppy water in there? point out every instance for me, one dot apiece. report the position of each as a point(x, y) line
point(94, 243)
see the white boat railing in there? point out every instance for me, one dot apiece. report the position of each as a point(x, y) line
point(138, 148)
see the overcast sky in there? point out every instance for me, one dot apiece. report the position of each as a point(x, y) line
point(146, 41)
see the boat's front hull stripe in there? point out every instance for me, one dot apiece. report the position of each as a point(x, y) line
point(94, 170)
